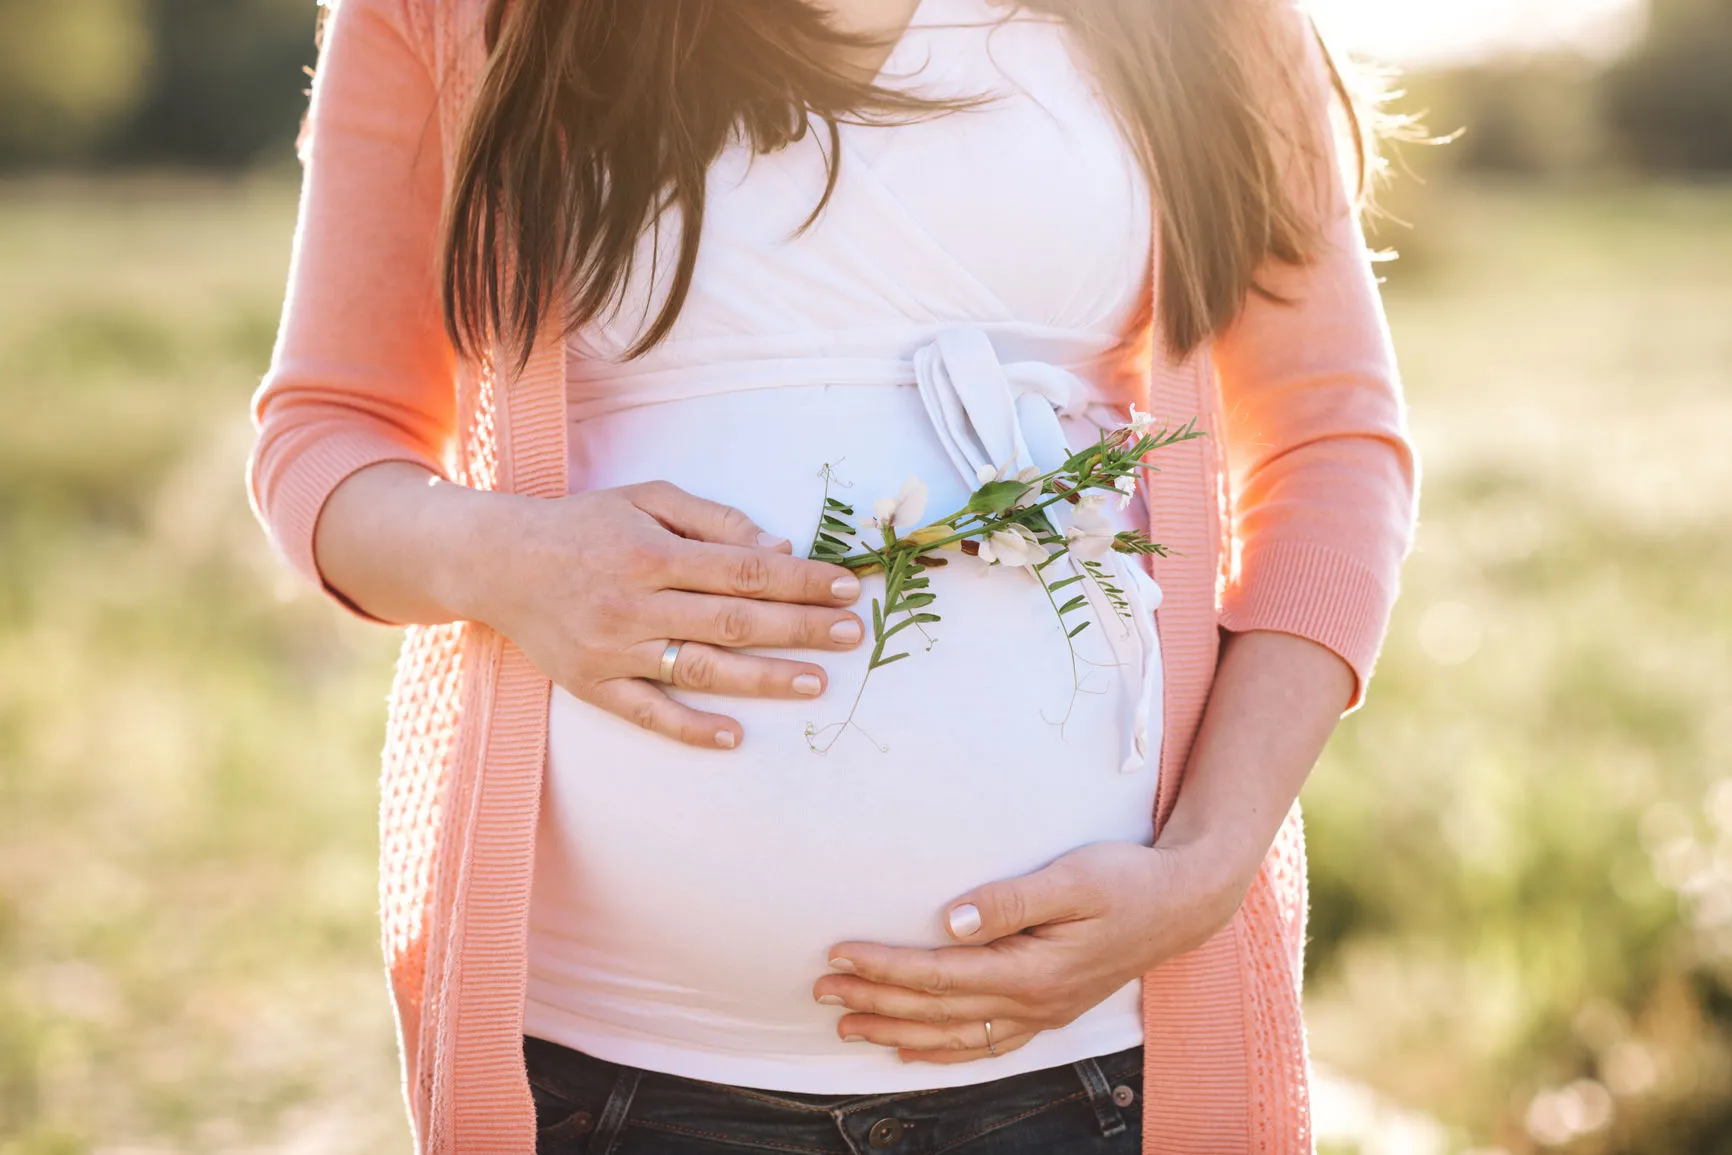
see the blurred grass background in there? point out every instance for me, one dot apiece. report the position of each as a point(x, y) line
point(1522, 849)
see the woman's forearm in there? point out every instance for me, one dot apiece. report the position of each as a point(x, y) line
point(391, 537)
point(1275, 701)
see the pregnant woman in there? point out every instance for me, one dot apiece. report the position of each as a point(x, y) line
point(594, 305)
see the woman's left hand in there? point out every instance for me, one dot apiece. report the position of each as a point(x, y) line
point(1048, 946)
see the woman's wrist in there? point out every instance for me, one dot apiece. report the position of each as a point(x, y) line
point(390, 541)
point(1216, 868)
point(1183, 897)
point(474, 535)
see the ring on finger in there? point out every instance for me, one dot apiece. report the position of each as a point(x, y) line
point(991, 1047)
point(669, 657)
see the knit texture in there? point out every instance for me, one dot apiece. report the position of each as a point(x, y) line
point(1292, 514)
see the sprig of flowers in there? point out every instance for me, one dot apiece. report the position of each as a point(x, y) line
point(1004, 523)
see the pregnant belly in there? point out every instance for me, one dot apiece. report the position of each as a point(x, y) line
point(687, 898)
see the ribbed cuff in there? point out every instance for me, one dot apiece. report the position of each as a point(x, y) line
point(297, 494)
point(1316, 592)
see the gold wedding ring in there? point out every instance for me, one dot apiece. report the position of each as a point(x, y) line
point(991, 1049)
point(669, 657)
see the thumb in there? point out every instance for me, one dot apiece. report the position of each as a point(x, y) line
point(701, 520)
point(1001, 908)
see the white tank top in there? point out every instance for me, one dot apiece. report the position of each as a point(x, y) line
point(959, 301)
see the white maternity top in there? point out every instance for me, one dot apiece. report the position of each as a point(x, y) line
point(956, 304)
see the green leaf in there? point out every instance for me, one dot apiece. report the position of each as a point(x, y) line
point(918, 583)
point(1075, 603)
point(1080, 628)
point(844, 510)
point(1072, 580)
point(835, 526)
point(877, 619)
point(995, 496)
point(915, 601)
point(887, 661)
point(911, 620)
point(828, 540)
point(1037, 522)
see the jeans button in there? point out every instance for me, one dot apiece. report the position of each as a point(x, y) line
point(573, 1125)
point(1123, 1096)
point(884, 1133)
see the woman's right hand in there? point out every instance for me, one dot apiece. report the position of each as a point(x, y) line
point(593, 586)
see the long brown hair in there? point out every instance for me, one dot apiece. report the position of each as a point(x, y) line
point(595, 117)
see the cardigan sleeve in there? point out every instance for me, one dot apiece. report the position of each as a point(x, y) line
point(1323, 476)
point(362, 371)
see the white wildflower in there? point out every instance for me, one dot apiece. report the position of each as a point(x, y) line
point(1013, 546)
point(1127, 487)
point(987, 474)
point(905, 508)
point(1140, 421)
point(1091, 533)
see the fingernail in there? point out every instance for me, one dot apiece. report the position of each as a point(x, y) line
point(842, 964)
point(771, 541)
point(965, 920)
point(808, 684)
point(725, 739)
point(846, 632)
point(845, 588)
point(853, 1038)
point(831, 1001)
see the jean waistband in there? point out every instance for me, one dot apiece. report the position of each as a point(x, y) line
point(580, 1096)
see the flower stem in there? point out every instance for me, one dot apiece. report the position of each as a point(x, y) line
point(1070, 644)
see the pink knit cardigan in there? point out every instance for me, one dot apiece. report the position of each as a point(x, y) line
point(1293, 514)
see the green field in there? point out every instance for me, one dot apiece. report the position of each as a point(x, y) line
point(1522, 848)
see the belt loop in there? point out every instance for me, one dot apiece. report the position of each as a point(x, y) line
point(1094, 1081)
point(613, 1115)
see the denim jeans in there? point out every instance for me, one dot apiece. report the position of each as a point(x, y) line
point(585, 1106)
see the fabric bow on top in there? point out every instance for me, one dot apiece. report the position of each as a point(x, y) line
point(995, 416)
